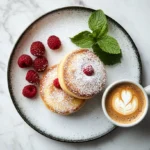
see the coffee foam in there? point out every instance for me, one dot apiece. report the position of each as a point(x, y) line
point(125, 103)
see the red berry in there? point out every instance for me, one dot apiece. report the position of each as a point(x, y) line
point(88, 70)
point(32, 77)
point(29, 91)
point(37, 48)
point(24, 61)
point(56, 83)
point(40, 63)
point(53, 42)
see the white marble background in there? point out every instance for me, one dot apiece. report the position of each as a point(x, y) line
point(15, 16)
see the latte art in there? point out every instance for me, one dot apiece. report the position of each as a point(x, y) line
point(125, 103)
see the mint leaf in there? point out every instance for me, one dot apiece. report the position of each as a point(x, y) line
point(97, 21)
point(100, 32)
point(106, 58)
point(109, 45)
point(83, 39)
point(104, 46)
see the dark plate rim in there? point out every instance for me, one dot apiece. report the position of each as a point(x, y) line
point(9, 78)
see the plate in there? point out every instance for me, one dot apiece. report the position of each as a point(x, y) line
point(89, 123)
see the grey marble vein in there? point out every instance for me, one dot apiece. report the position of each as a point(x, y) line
point(34, 3)
point(2, 91)
point(7, 9)
point(5, 132)
point(8, 32)
point(28, 4)
point(30, 139)
point(18, 124)
point(2, 66)
point(16, 144)
point(5, 17)
point(10, 10)
point(79, 2)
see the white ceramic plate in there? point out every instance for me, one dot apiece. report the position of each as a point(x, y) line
point(89, 123)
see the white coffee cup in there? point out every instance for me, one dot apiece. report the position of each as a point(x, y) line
point(146, 92)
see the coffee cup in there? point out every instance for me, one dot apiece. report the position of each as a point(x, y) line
point(125, 103)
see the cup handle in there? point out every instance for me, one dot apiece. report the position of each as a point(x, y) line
point(147, 90)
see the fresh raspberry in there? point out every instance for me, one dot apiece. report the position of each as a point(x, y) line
point(29, 91)
point(37, 48)
point(32, 77)
point(40, 63)
point(24, 61)
point(56, 83)
point(88, 70)
point(53, 42)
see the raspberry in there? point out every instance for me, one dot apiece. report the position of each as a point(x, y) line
point(24, 61)
point(32, 77)
point(40, 63)
point(37, 48)
point(29, 91)
point(88, 70)
point(56, 83)
point(53, 42)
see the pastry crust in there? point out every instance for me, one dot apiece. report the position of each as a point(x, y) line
point(72, 78)
point(56, 99)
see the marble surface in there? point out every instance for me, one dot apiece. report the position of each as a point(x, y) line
point(15, 16)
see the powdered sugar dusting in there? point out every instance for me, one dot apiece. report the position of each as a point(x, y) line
point(78, 81)
point(57, 99)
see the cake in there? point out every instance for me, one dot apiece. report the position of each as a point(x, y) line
point(56, 99)
point(81, 74)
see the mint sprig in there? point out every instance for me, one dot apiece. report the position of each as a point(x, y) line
point(104, 46)
point(84, 39)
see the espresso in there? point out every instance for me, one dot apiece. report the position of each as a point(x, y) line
point(125, 103)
